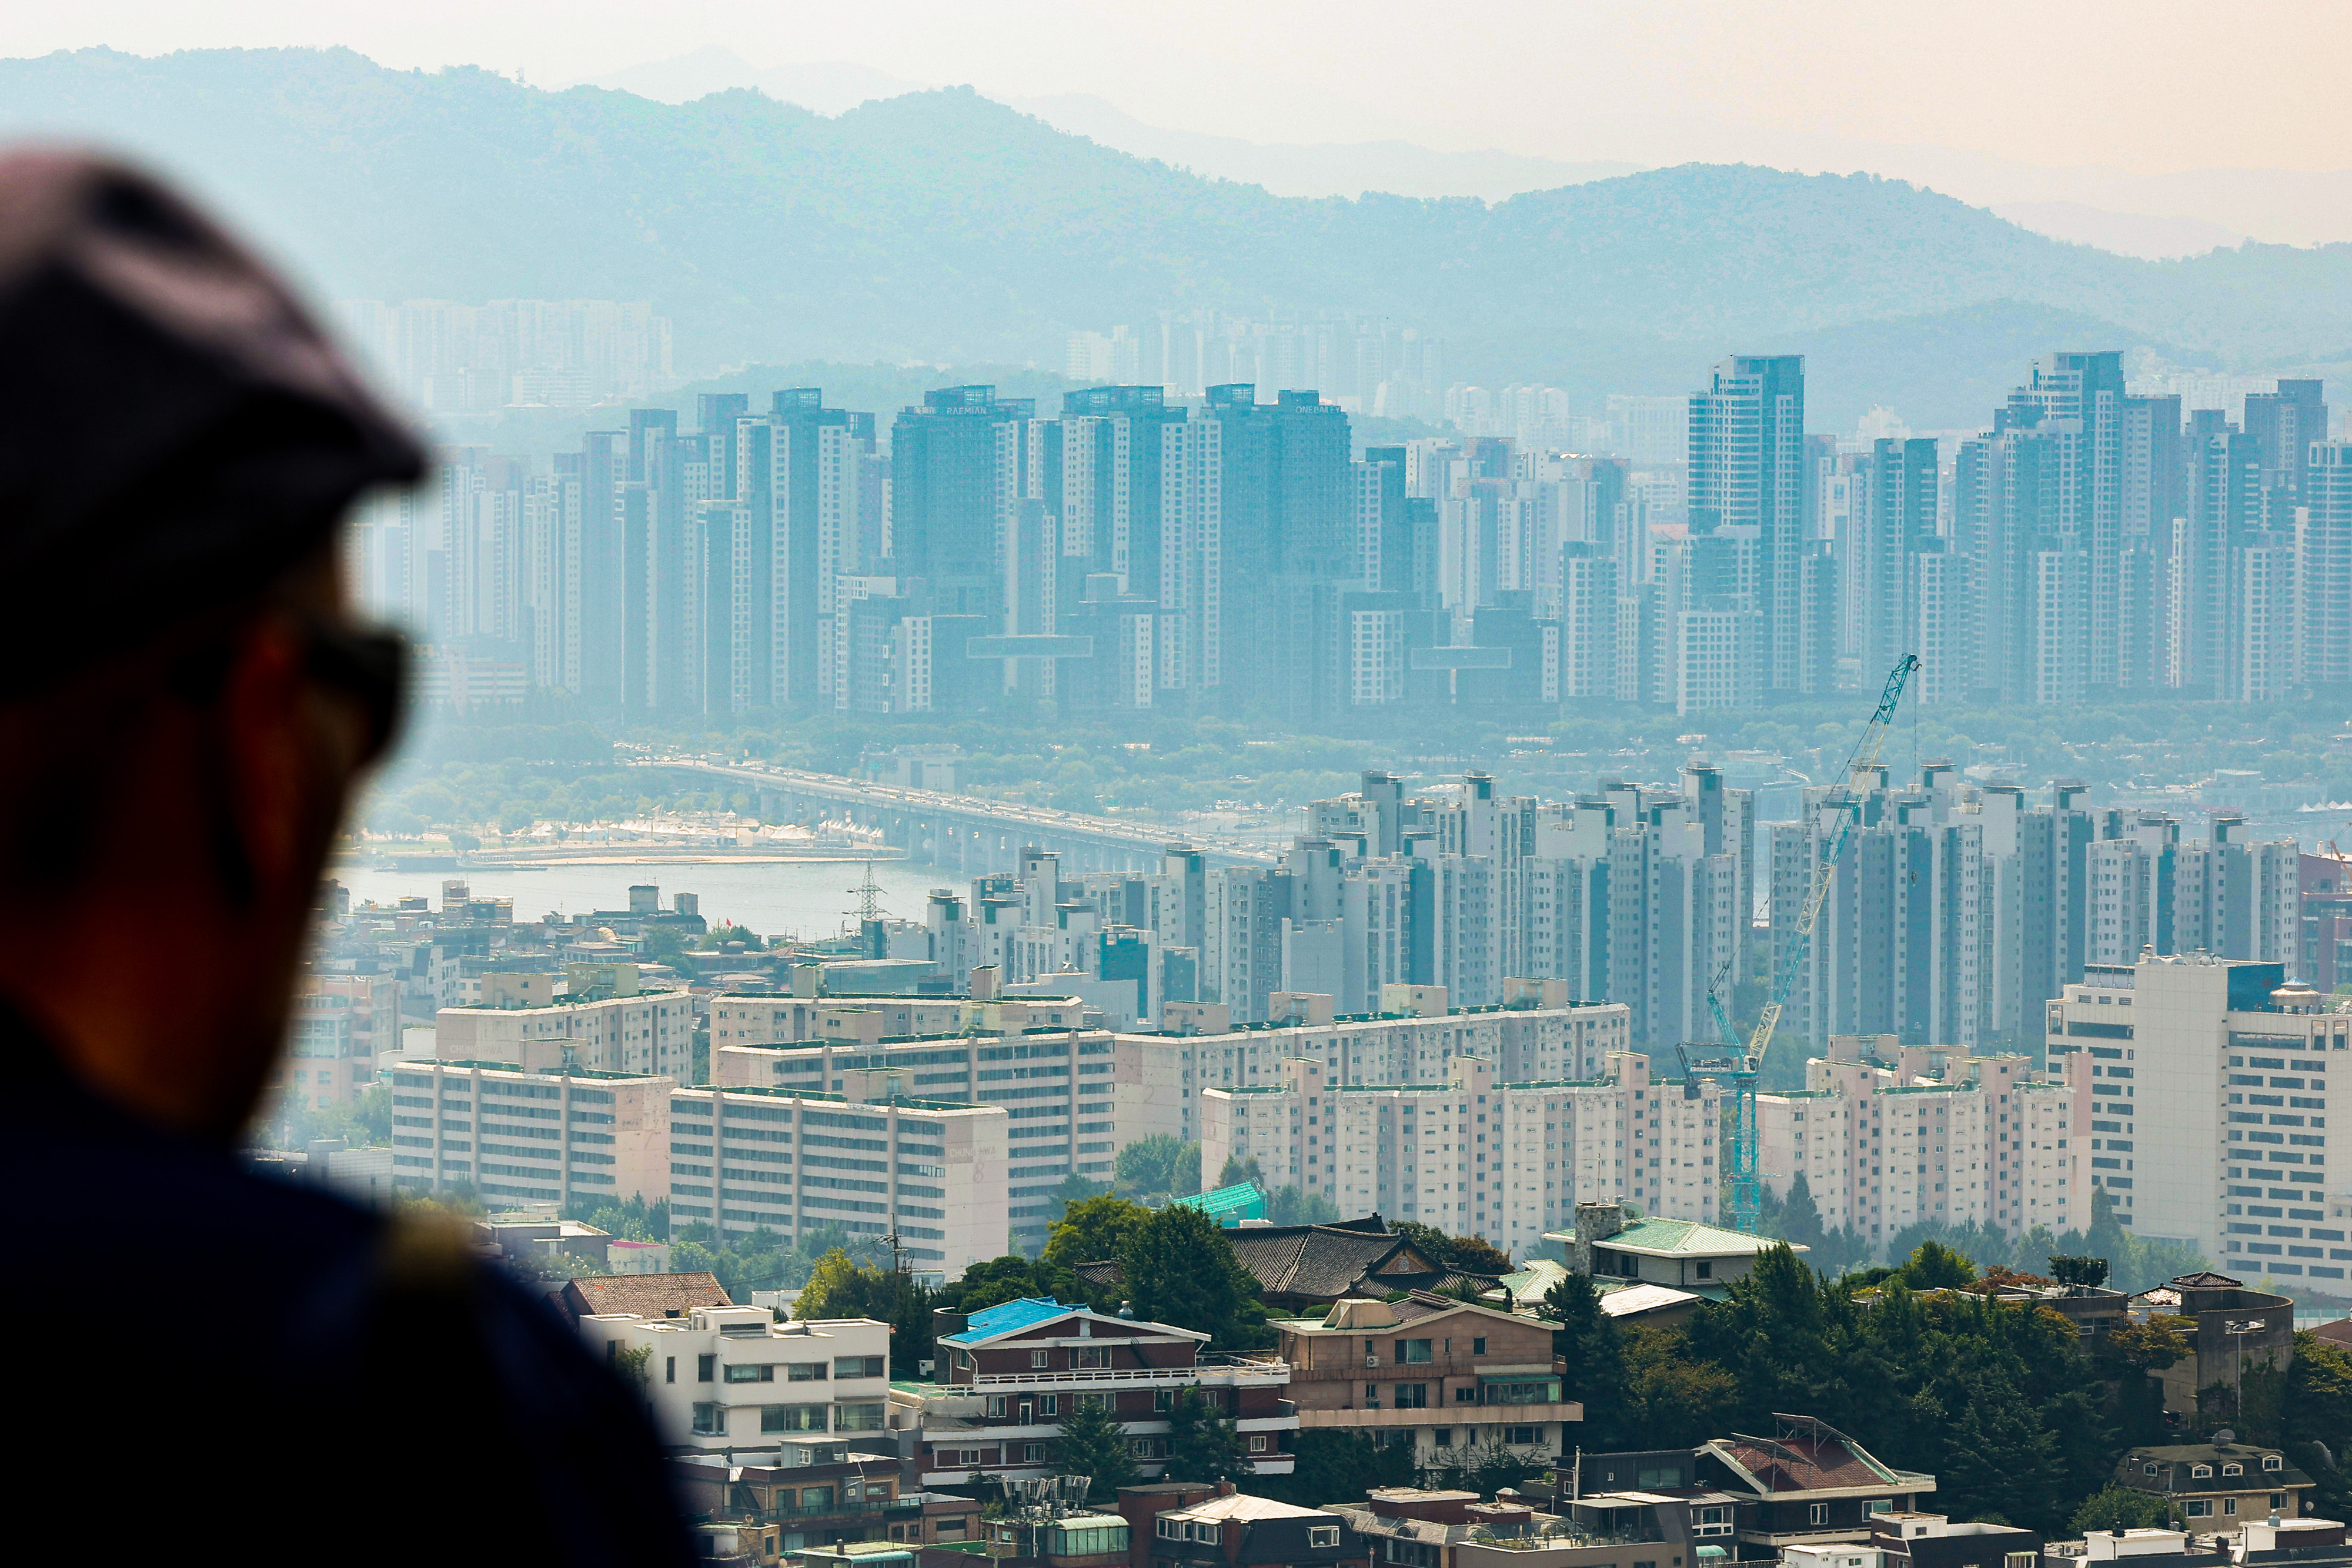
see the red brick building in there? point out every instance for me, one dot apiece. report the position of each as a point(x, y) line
point(1008, 1377)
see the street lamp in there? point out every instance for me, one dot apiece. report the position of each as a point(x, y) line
point(2237, 1331)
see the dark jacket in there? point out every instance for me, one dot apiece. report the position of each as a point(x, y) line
point(206, 1357)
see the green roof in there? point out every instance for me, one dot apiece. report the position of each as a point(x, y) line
point(1676, 1236)
point(1538, 1278)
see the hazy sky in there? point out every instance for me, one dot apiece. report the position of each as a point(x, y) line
point(2143, 85)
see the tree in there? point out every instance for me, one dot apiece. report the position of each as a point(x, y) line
point(1162, 1164)
point(1800, 1216)
point(2118, 1506)
point(1589, 1341)
point(1011, 1278)
point(1332, 1465)
point(1076, 1188)
point(1092, 1229)
point(1935, 1266)
point(834, 1289)
point(2316, 1410)
point(1290, 1206)
point(1470, 1254)
point(2151, 1346)
point(1998, 1455)
point(1202, 1446)
point(371, 1115)
point(1239, 1171)
point(1670, 1398)
point(1090, 1443)
point(1484, 1464)
point(1181, 1269)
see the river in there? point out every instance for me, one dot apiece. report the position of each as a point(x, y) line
point(802, 898)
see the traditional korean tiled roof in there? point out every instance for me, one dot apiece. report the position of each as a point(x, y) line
point(645, 1295)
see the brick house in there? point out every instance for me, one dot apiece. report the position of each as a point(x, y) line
point(1007, 1376)
point(1429, 1373)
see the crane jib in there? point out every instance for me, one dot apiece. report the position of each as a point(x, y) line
point(1746, 1198)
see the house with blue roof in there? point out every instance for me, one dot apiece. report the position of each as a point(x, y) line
point(1007, 1376)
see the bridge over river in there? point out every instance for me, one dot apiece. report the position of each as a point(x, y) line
point(963, 831)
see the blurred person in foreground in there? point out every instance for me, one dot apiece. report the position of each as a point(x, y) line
point(206, 1356)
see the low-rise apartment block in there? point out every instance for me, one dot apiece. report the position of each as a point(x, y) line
point(812, 1494)
point(931, 1172)
point(1069, 1099)
point(1890, 1135)
point(1472, 1153)
point(651, 1031)
point(2221, 1068)
point(1436, 1375)
point(728, 1380)
point(1536, 1032)
point(739, 1018)
point(1004, 1376)
point(530, 1137)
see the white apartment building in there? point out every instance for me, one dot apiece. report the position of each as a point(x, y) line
point(1070, 1100)
point(1537, 1032)
point(793, 1161)
point(536, 1137)
point(736, 1018)
point(733, 1381)
point(1890, 1135)
point(1474, 1154)
point(2221, 1067)
point(651, 1031)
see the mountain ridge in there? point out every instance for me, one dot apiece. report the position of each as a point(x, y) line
point(942, 225)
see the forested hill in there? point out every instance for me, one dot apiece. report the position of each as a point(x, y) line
point(942, 226)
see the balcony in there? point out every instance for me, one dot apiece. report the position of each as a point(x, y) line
point(906, 1507)
point(1436, 1415)
point(1253, 1373)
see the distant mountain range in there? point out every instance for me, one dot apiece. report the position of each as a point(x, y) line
point(941, 227)
point(2181, 212)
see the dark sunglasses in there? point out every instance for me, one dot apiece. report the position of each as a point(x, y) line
point(368, 664)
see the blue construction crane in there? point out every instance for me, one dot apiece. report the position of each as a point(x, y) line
point(1740, 1072)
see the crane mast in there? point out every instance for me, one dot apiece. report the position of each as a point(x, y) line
point(1747, 1063)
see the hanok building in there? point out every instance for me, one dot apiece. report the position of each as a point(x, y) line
point(2217, 1486)
point(1806, 1485)
point(643, 1295)
point(1430, 1374)
point(1007, 1376)
point(1307, 1268)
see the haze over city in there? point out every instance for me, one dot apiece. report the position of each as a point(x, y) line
point(1120, 787)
